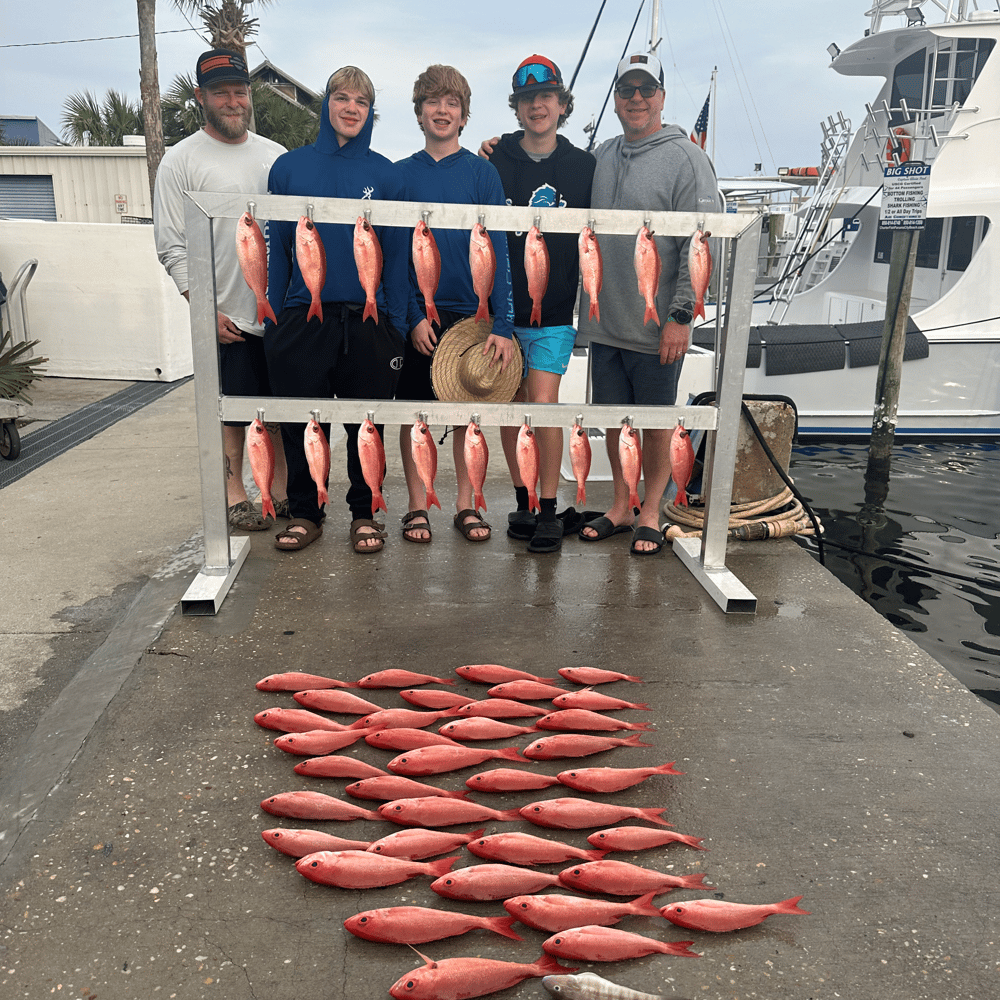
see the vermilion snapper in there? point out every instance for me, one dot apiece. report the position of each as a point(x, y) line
point(492, 881)
point(536, 268)
point(700, 269)
point(362, 870)
point(582, 718)
point(477, 457)
point(314, 805)
point(311, 258)
point(595, 675)
point(509, 779)
point(394, 677)
point(432, 810)
point(591, 269)
point(299, 843)
point(605, 780)
point(460, 978)
point(295, 720)
point(406, 739)
point(416, 843)
point(608, 944)
point(433, 698)
point(647, 271)
point(578, 814)
point(479, 728)
point(317, 451)
point(522, 690)
point(401, 718)
point(719, 915)
point(260, 449)
point(394, 786)
point(295, 681)
point(368, 257)
point(372, 455)
point(439, 759)
point(595, 701)
point(251, 252)
point(630, 459)
point(483, 264)
point(498, 708)
point(427, 265)
point(419, 924)
point(619, 878)
point(681, 462)
point(580, 455)
point(558, 913)
point(528, 461)
point(526, 849)
point(577, 745)
point(640, 838)
point(424, 454)
point(334, 766)
point(335, 700)
point(317, 741)
point(495, 673)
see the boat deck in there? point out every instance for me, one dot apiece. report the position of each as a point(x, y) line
point(824, 754)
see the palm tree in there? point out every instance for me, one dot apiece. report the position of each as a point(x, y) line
point(227, 23)
point(106, 123)
point(181, 113)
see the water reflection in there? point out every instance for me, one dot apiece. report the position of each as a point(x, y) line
point(924, 552)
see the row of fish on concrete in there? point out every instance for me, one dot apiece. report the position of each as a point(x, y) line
point(580, 926)
point(371, 452)
point(251, 250)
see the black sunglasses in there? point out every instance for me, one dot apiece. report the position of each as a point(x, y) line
point(625, 90)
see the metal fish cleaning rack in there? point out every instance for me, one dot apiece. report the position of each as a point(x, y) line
point(704, 557)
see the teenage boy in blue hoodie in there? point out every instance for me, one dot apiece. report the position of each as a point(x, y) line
point(539, 167)
point(341, 355)
point(443, 171)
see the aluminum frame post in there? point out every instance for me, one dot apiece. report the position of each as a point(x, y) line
point(223, 557)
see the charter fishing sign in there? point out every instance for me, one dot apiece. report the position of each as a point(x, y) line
point(904, 196)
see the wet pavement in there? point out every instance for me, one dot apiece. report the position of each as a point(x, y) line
point(824, 755)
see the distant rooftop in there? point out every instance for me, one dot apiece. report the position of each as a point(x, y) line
point(287, 86)
point(25, 130)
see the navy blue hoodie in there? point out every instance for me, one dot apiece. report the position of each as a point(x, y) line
point(328, 170)
point(461, 178)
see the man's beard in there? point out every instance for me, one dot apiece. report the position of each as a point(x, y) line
point(230, 127)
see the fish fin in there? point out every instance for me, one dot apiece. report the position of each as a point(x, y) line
point(511, 753)
point(480, 501)
point(432, 501)
point(509, 814)
point(789, 905)
point(482, 313)
point(315, 309)
point(595, 311)
point(693, 882)
point(695, 842)
point(549, 964)
point(653, 815)
point(322, 496)
point(432, 313)
point(646, 727)
point(476, 834)
point(651, 314)
point(536, 314)
point(681, 500)
point(455, 795)
point(441, 867)
point(264, 311)
point(533, 503)
point(699, 309)
point(634, 741)
point(581, 495)
point(267, 507)
point(502, 925)
point(668, 768)
point(370, 310)
point(598, 856)
point(378, 502)
point(683, 948)
point(430, 961)
point(634, 499)
point(644, 904)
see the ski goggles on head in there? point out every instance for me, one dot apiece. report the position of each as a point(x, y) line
point(536, 72)
point(627, 90)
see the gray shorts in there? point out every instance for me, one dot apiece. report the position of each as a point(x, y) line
point(622, 376)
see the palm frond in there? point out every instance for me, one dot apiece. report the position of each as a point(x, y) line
point(16, 376)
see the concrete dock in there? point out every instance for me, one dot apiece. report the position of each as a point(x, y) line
point(824, 754)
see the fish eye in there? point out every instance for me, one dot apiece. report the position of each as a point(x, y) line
point(410, 984)
point(363, 920)
point(572, 774)
point(576, 871)
point(449, 882)
point(524, 906)
point(376, 850)
point(602, 836)
point(481, 843)
point(314, 864)
point(398, 809)
point(537, 809)
point(558, 941)
point(403, 760)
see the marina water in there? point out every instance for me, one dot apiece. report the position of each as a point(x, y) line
point(928, 557)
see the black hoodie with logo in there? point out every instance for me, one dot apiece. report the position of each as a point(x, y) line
point(561, 180)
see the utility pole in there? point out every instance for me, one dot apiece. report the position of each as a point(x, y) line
point(149, 90)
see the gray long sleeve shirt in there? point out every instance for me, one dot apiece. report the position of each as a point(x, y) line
point(663, 172)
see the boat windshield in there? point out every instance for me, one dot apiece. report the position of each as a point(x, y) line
point(935, 78)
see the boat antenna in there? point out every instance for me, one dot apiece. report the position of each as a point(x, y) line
point(593, 132)
point(583, 54)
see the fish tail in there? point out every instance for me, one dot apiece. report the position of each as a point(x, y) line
point(370, 310)
point(699, 309)
point(644, 706)
point(598, 856)
point(681, 948)
point(502, 925)
point(547, 963)
point(536, 313)
point(643, 905)
point(789, 906)
point(695, 882)
point(322, 496)
point(633, 678)
point(432, 498)
point(595, 310)
point(695, 842)
point(682, 498)
point(533, 503)
point(483, 316)
point(455, 795)
point(651, 314)
point(480, 501)
point(476, 834)
point(267, 506)
point(581, 494)
point(315, 309)
point(646, 727)
point(432, 313)
point(378, 502)
point(668, 768)
point(653, 815)
point(264, 311)
point(633, 499)
point(634, 741)
point(514, 814)
point(511, 753)
point(441, 867)
point(370, 814)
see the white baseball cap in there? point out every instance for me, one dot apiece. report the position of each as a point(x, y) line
point(641, 62)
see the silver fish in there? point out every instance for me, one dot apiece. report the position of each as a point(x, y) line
point(587, 986)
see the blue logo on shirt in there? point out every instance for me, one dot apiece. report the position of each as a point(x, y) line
point(545, 197)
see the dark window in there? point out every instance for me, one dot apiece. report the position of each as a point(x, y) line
point(929, 247)
point(962, 242)
point(908, 84)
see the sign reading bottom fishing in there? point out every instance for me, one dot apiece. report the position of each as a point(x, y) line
point(904, 196)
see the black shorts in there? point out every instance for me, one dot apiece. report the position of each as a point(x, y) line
point(415, 379)
point(243, 371)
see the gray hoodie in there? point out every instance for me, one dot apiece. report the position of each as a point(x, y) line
point(664, 172)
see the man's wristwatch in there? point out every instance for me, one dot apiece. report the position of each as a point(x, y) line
point(682, 316)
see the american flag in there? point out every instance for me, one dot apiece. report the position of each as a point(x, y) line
point(700, 133)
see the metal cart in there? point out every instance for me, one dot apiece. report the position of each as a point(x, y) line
point(16, 324)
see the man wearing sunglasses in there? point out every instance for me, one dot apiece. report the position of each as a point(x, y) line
point(654, 167)
point(539, 167)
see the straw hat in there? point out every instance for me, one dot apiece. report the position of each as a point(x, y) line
point(460, 372)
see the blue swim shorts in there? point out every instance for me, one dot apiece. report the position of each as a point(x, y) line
point(618, 375)
point(547, 348)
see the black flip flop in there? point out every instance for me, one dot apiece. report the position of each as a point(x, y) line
point(604, 527)
point(644, 534)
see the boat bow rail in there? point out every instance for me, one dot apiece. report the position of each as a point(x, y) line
point(705, 557)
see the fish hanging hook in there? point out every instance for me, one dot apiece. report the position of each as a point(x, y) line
point(475, 419)
point(252, 209)
point(426, 216)
point(371, 415)
point(527, 420)
point(260, 414)
point(579, 420)
point(315, 415)
point(482, 220)
point(367, 213)
point(310, 210)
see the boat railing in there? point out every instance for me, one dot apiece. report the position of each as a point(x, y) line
point(912, 11)
point(895, 135)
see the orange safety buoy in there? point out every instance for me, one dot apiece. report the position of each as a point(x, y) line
point(901, 147)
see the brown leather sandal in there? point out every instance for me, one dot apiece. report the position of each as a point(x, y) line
point(409, 526)
point(292, 541)
point(466, 528)
point(358, 536)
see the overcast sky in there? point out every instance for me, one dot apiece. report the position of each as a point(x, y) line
point(774, 80)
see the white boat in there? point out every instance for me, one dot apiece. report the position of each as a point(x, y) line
point(820, 332)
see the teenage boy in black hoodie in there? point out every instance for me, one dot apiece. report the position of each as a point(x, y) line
point(539, 167)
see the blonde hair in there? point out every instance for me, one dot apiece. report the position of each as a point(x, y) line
point(439, 81)
point(352, 78)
